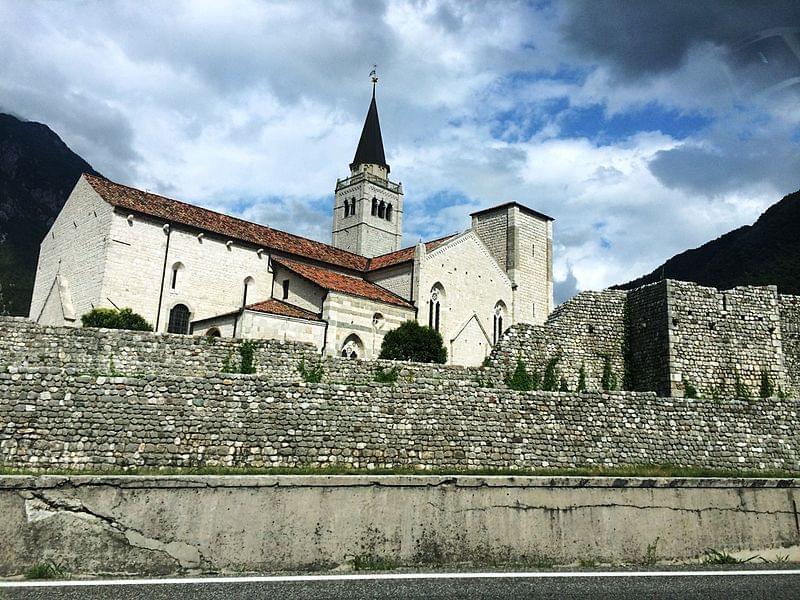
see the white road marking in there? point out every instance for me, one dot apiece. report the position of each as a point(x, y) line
point(390, 576)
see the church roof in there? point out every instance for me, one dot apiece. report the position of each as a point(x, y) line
point(276, 307)
point(370, 145)
point(176, 211)
point(338, 282)
point(404, 255)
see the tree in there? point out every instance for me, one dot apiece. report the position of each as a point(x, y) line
point(520, 380)
point(111, 318)
point(413, 342)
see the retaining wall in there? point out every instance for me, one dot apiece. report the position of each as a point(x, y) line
point(49, 418)
point(176, 525)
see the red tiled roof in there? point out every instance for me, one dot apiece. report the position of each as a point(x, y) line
point(404, 255)
point(337, 282)
point(276, 307)
point(209, 220)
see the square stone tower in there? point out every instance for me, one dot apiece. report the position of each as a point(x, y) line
point(521, 241)
point(368, 208)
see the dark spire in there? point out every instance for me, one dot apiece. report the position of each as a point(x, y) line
point(370, 146)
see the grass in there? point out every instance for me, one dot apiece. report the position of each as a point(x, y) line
point(617, 472)
point(717, 557)
point(45, 570)
point(373, 563)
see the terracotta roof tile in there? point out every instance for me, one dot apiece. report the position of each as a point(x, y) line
point(338, 282)
point(276, 307)
point(209, 220)
point(404, 255)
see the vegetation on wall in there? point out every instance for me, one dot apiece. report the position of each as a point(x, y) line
point(689, 391)
point(767, 388)
point(414, 342)
point(609, 380)
point(383, 375)
point(581, 379)
point(310, 374)
point(111, 318)
point(740, 389)
point(550, 381)
point(520, 380)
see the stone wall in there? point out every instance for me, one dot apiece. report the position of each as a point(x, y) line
point(648, 343)
point(157, 526)
point(582, 332)
point(790, 337)
point(54, 419)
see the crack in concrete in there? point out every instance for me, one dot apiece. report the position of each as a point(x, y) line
point(184, 554)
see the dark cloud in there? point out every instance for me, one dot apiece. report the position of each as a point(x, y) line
point(637, 39)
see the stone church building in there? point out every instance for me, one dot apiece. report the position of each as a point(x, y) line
point(189, 270)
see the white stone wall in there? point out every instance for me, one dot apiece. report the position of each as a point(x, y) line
point(75, 248)
point(473, 284)
point(210, 281)
point(347, 315)
point(492, 228)
point(530, 267)
point(258, 325)
point(302, 292)
point(396, 279)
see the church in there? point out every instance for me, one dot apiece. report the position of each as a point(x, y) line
point(189, 270)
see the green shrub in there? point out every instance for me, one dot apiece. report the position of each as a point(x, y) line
point(310, 374)
point(582, 379)
point(247, 352)
point(767, 388)
point(386, 375)
point(564, 387)
point(521, 380)
point(740, 389)
point(609, 379)
point(550, 381)
point(46, 570)
point(411, 341)
point(111, 318)
point(689, 391)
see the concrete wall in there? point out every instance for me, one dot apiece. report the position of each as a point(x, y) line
point(179, 525)
point(75, 249)
point(50, 418)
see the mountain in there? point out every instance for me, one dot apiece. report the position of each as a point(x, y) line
point(37, 173)
point(764, 253)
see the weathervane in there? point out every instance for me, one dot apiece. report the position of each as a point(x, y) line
point(373, 75)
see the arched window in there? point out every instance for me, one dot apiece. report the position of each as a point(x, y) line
point(374, 207)
point(435, 307)
point(346, 208)
point(352, 347)
point(213, 332)
point(382, 210)
point(377, 321)
point(248, 284)
point(499, 316)
point(388, 212)
point(178, 319)
point(177, 269)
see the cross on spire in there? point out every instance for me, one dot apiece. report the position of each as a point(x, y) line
point(373, 75)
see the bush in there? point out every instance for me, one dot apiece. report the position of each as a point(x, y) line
point(581, 379)
point(111, 318)
point(767, 388)
point(413, 342)
point(550, 381)
point(310, 374)
point(609, 380)
point(689, 391)
point(386, 375)
point(740, 389)
point(521, 380)
point(247, 352)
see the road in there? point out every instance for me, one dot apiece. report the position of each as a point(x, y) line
point(708, 585)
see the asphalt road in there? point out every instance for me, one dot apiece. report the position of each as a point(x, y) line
point(733, 585)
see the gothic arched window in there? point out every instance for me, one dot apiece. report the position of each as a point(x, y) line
point(352, 347)
point(382, 210)
point(346, 208)
point(374, 207)
point(178, 319)
point(435, 307)
point(388, 212)
point(499, 316)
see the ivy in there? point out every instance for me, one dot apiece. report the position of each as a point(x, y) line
point(247, 353)
point(740, 389)
point(550, 381)
point(609, 379)
point(521, 380)
point(767, 388)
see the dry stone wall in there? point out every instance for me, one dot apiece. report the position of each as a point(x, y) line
point(50, 418)
point(582, 332)
point(790, 337)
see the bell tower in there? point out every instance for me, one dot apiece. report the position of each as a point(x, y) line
point(368, 208)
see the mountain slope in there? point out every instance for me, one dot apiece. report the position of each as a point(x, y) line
point(37, 173)
point(765, 253)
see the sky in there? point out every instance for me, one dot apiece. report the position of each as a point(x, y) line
point(644, 128)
